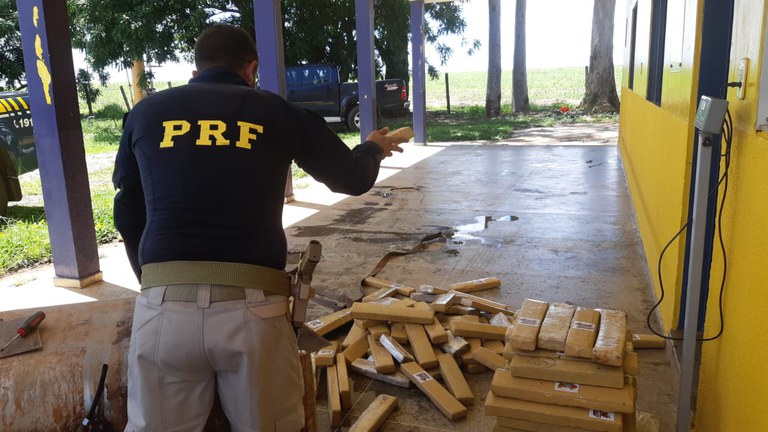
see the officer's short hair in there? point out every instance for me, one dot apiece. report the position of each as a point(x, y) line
point(224, 45)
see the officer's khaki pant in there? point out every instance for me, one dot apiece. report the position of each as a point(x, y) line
point(182, 352)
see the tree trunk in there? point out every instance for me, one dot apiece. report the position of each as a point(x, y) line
point(600, 93)
point(88, 100)
point(493, 87)
point(520, 102)
point(136, 72)
point(393, 27)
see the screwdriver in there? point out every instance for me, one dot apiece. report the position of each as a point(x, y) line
point(28, 326)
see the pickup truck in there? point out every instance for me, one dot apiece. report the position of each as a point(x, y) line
point(17, 145)
point(317, 88)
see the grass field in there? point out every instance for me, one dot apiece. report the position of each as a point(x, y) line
point(24, 232)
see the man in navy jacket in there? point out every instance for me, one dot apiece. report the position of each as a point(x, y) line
point(201, 173)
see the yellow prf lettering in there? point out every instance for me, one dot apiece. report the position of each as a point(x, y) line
point(212, 128)
point(173, 128)
point(247, 133)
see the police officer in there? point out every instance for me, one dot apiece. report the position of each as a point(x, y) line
point(201, 172)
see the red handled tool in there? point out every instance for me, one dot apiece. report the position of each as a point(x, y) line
point(27, 327)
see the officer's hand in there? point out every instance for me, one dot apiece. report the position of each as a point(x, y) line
point(388, 143)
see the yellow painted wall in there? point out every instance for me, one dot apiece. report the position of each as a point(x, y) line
point(655, 145)
point(656, 150)
point(654, 155)
point(733, 390)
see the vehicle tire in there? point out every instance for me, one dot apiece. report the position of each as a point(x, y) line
point(3, 198)
point(353, 119)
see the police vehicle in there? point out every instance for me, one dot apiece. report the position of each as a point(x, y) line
point(17, 145)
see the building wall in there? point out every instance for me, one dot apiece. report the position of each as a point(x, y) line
point(733, 393)
point(655, 145)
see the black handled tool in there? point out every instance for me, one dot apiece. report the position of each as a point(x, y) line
point(27, 327)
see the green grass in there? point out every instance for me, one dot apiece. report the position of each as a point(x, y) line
point(24, 238)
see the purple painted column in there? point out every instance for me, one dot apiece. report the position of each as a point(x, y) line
point(365, 68)
point(267, 19)
point(418, 92)
point(59, 141)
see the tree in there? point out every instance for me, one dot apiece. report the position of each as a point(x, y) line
point(321, 32)
point(85, 87)
point(493, 86)
point(11, 55)
point(520, 102)
point(116, 32)
point(600, 94)
point(119, 32)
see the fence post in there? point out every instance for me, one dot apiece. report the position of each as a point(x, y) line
point(125, 99)
point(447, 93)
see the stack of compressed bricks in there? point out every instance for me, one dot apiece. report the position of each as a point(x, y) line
point(570, 369)
point(408, 336)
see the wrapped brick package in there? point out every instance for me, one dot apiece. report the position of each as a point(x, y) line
point(554, 329)
point(611, 339)
point(583, 332)
point(525, 332)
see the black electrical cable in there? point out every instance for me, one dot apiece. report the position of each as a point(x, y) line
point(727, 135)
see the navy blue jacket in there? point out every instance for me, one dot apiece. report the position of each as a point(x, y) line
point(201, 171)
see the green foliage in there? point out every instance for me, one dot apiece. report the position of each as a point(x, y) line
point(317, 32)
point(111, 111)
point(86, 90)
point(102, 197)
point(24, 242)
point(11, 55)
point(117, 32)
point(101, 135)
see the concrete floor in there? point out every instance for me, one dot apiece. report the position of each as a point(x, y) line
point(560, 228)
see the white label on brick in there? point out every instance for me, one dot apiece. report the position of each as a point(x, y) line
point(314, 325)
point(566, 387)
point(583, 325)
point(602, 415)
point(423, 377)
point(397, 285)
point(635, 337)
point(325, 352)
point(528, 321)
